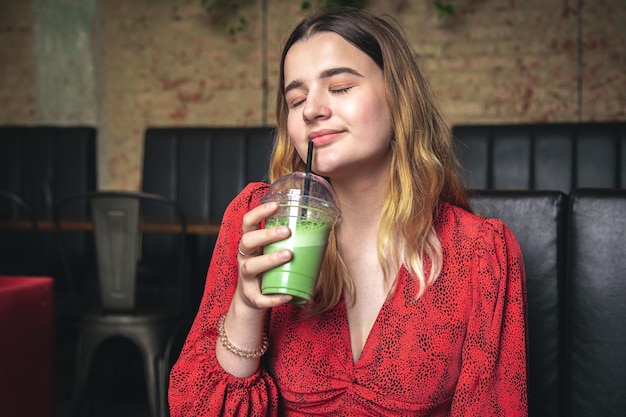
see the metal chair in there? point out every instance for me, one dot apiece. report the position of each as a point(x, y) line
point(142, 302)
point(21, 250)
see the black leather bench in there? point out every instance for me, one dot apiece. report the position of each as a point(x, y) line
point(596, 304)
point(40, 164)
point(204, 169)
point(543, 156)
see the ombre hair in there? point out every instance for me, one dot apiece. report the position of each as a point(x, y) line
point(423, 169)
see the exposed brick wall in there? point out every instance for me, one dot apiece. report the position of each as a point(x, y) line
point(17, 63)
point(166, 62)
point(519, 61)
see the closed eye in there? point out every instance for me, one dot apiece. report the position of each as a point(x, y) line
point(295, 104)
point(341, 90)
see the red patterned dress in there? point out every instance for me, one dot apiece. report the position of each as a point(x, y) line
point(459, 350)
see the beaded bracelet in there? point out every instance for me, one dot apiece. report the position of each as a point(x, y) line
point(248, 354)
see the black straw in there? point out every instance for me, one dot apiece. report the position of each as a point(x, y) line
point(307, 177)
point(309, 158)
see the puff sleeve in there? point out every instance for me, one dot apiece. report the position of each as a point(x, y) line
point(493, 376)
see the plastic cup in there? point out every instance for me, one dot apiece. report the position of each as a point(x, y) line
point(308, 206)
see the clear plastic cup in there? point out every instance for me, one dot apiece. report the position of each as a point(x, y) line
point(308, 206)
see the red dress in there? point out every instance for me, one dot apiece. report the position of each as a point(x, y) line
point(459, 350)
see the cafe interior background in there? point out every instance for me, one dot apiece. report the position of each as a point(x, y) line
point(122, 66)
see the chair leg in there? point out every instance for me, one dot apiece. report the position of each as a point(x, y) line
point(152, 383)
point(163, 375)
point(84, 359)
point(164, 371)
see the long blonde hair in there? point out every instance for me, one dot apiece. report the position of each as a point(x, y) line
point(424, 167)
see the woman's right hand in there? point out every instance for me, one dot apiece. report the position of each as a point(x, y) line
point(252, 263)
point(245, 321)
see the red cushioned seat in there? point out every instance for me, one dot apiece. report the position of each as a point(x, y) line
point(26, 346)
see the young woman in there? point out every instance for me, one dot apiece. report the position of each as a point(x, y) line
point(420, 305)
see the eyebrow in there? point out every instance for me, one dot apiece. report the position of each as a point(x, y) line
point(325, 74)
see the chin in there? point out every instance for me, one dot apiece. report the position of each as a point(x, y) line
point(326, 167)
point(324, 171)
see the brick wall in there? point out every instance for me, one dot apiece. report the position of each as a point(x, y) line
point(17, 63)
point(166, 62)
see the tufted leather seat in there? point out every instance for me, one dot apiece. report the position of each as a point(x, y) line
point(596, 306)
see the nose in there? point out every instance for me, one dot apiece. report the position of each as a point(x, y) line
point(315, 107)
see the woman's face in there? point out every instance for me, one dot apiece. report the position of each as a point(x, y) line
point(336, 99)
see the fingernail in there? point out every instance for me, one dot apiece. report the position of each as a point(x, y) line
point(282, 231)
point(284, 255)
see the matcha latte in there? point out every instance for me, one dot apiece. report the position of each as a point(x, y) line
point(297, 277)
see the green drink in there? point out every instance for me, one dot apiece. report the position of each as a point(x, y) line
point(297, 277)
point(307, 205)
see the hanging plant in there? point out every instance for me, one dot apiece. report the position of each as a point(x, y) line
point(443, 9)
point(227, 12)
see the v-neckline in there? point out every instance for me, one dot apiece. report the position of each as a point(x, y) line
point(347, 339)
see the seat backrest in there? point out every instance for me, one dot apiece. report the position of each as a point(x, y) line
point(204, 168)
point(596, 306)
point(42, 163)
point(543, 156)
point(116, 219)
point(537, 219)
point(116, 228)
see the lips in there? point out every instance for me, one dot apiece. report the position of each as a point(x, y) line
point(322, 137)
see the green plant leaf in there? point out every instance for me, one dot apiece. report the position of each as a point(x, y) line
point(444, 9)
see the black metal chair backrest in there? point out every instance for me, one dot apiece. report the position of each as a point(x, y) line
point(116, 217)
point(116, 227)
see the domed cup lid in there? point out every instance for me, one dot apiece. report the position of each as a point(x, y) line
point(310, 190)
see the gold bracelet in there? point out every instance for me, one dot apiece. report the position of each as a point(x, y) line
point(248, 354)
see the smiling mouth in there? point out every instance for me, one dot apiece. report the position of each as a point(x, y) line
point(323, 137)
